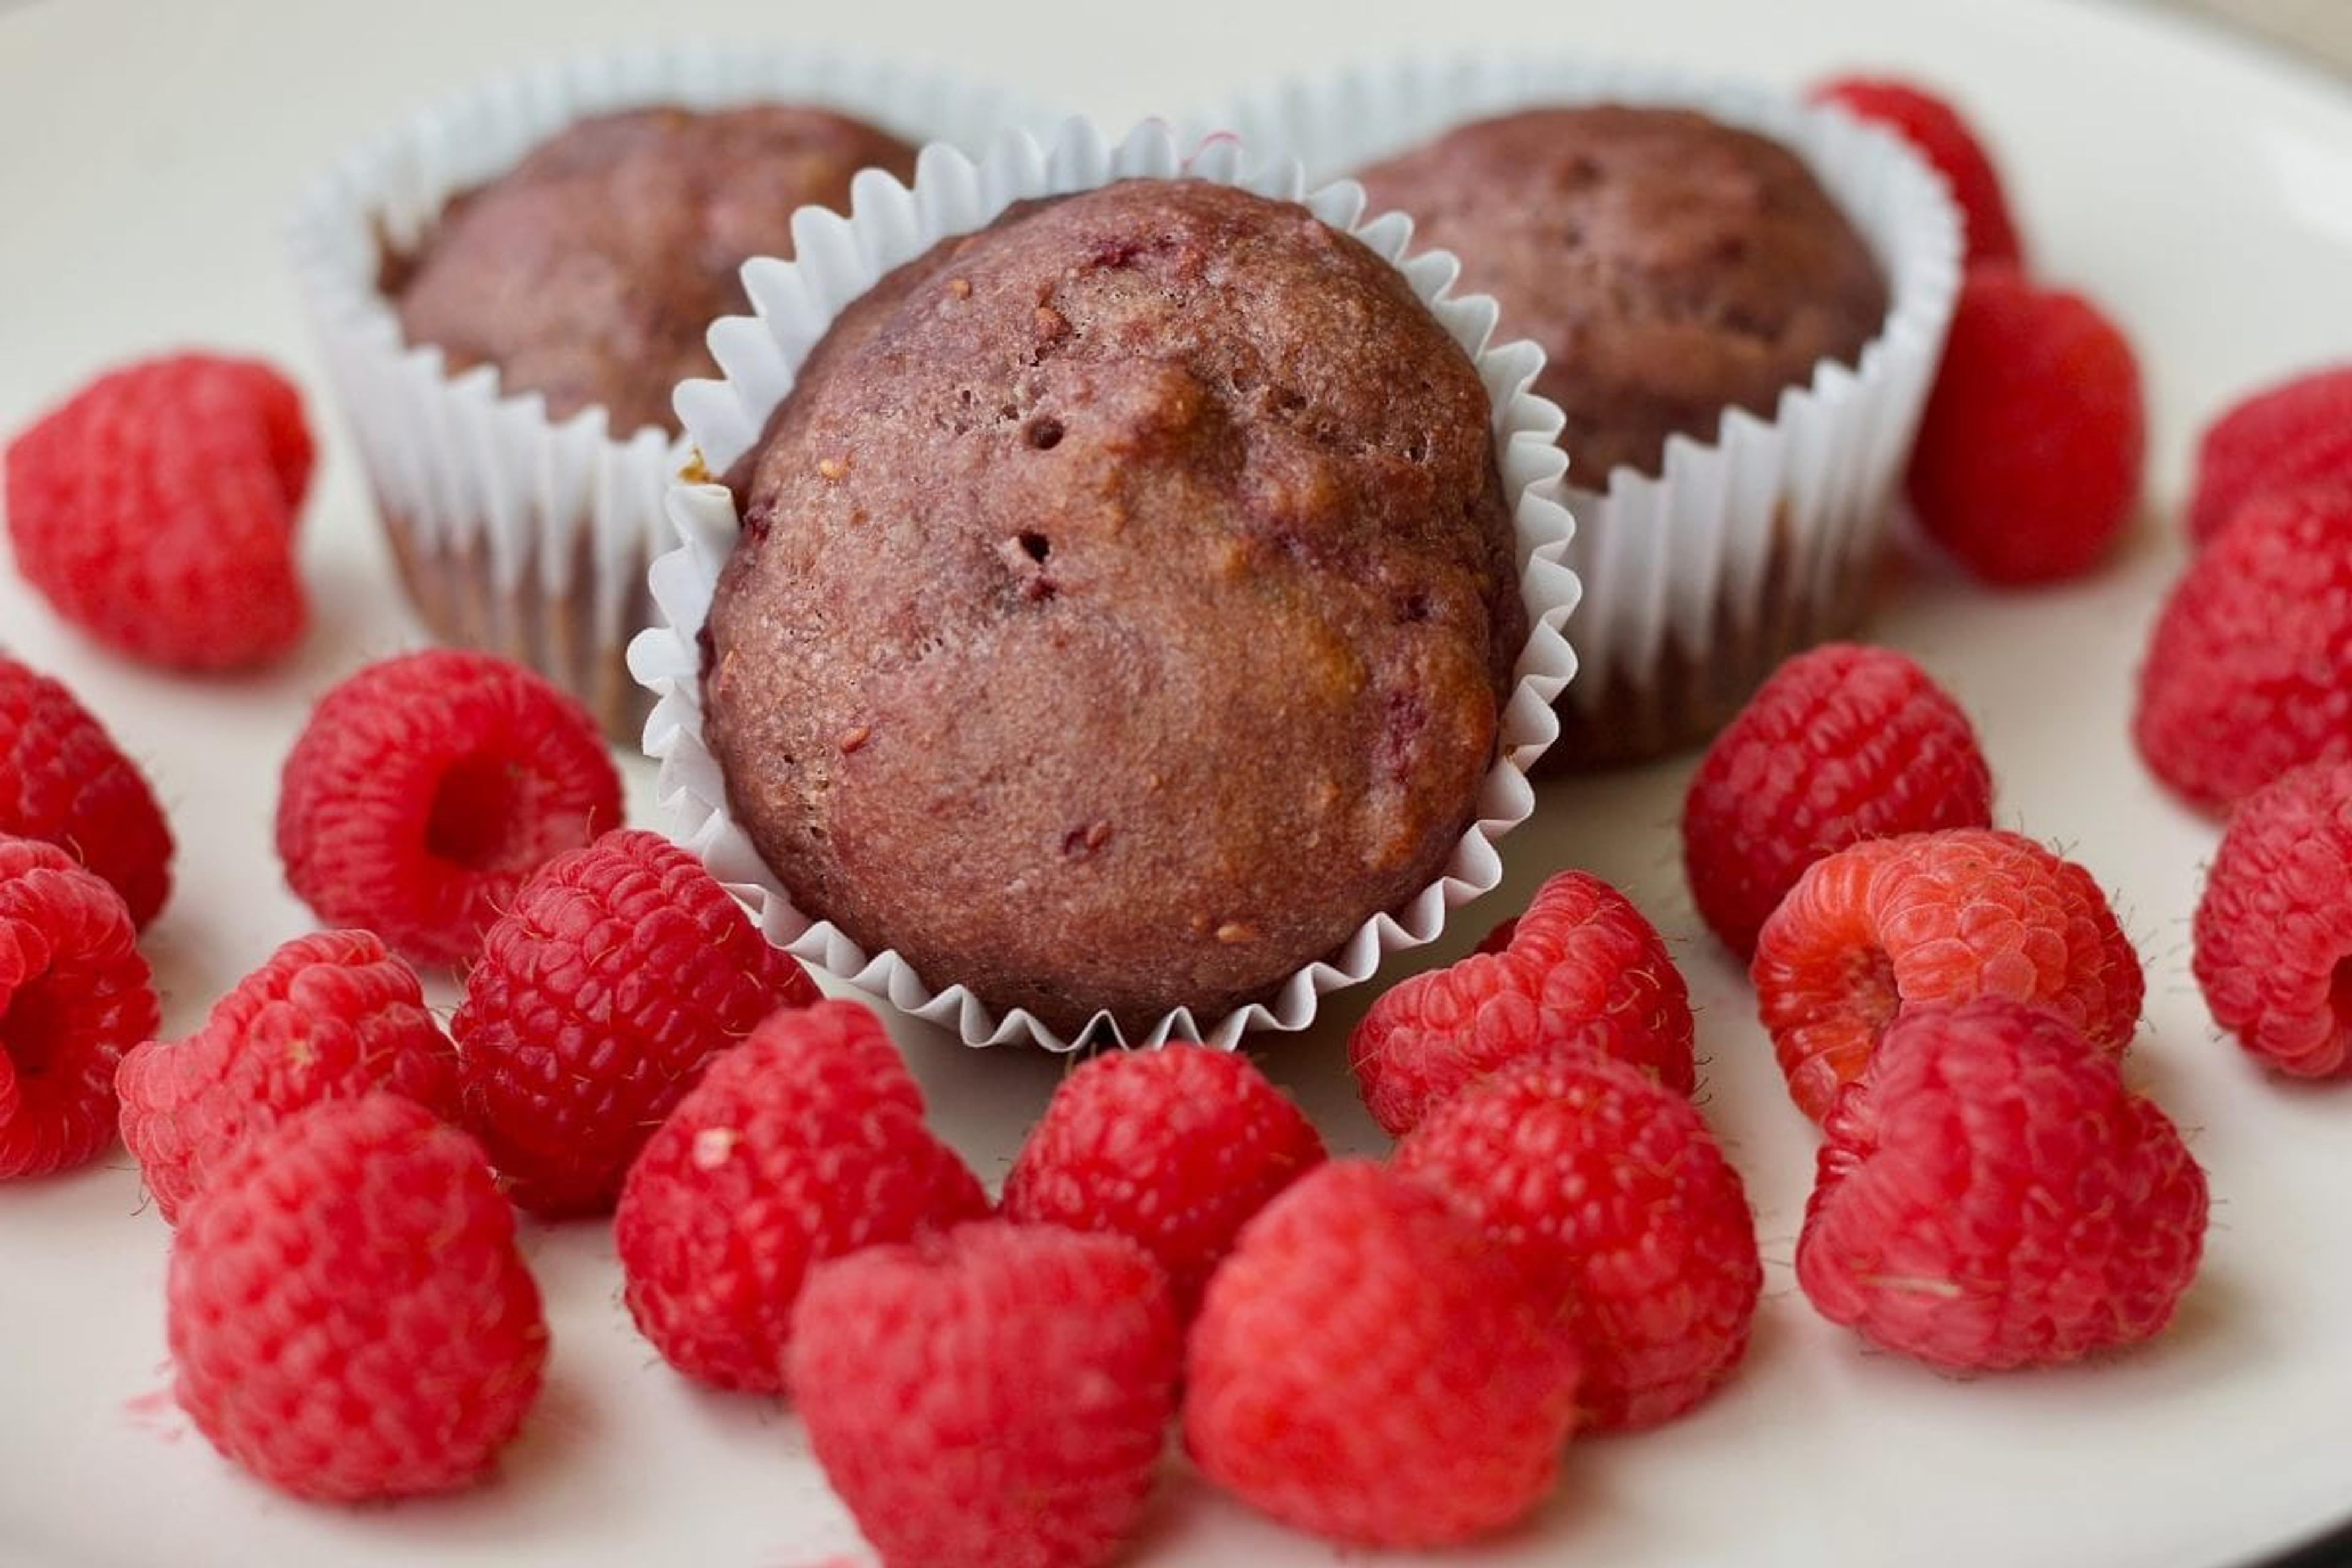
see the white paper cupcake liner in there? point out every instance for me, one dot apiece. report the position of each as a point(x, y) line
point(839, 260)
point(515, 532)
point(1763, 538)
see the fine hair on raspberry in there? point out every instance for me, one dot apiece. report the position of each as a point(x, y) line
point(426, 788)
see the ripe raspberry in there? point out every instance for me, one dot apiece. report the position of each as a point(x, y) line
point(1844, 743)
point(2274, 929)
point(994, 1397)
point(617, 972)
point(330, 1016)
point(1990, 1196)
point(155, 509)
point(1938, 134)
point(1175, 1148)
point(426, 788)
point(2296, 433)
point(1369, 1368)
point(804, 1143)
point(1610, 1191)
point(1581, 956)
point(2249, 670)
point(2028, 454)
point(348, 1316)
point(74, 995)
point(1893, 923)
point(63, 779)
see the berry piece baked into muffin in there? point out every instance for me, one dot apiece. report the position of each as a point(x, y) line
point(1124, 606)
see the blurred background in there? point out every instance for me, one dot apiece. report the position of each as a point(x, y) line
point(2321, 28)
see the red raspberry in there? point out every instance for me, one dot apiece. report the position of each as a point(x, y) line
point(1610, 1191)
point(426, 788)
point(350, 1317)
point(1990, 1196)
point(1893, 923)
point(1581, 956)
point(2296, 433)
point(619, 971)
point(1175, 1148)
point(2028, 454)
point(74, 995)
point(63, 779)
point(1369, 1368)
point(1936, 131)
point(155, 509)
point(2274, 929)
point(2251, 661)
point(1844, 743)
point(994, 1397)
point(804, 1143)
point(330, 1016)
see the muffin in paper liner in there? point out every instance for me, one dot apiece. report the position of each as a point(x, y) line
point(512, 531)
point(1742, 549)
point(838, 260)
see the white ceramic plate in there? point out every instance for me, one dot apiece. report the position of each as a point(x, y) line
point(2200, 188)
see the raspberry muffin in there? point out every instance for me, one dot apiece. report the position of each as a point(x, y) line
point(590, 271)
point(1670, 265)
point(1124, 609)
point(511, 283)
point(1673, 267)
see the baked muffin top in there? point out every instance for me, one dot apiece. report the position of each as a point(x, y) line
point(1124, 607)
point(1671, 267)
point(590, 272)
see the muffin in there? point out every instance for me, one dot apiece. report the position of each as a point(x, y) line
point(1672, 268)
point(1125, 606)
point(589, 272)
point(510, 284)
